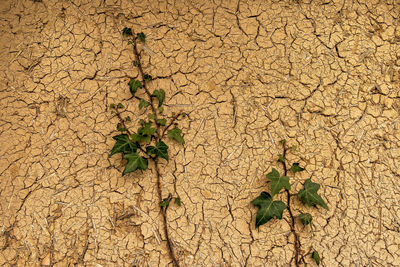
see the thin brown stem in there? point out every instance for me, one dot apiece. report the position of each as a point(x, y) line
point(297, 245)
point(159, 136)
point(164, 215)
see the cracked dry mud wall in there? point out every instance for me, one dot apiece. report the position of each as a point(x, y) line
point(325, 75)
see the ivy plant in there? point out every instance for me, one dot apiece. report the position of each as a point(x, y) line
point(148, 142)
point(268, 208)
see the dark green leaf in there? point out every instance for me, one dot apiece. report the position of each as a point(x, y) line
point(281, 158)
point(147, 77)
point(141, 36)
point(310, 196)
point(283, 141)
point(176, 135)
point(278, 182)
point(165, 202)
point(151, 116)
point(137, 138)
point(128, 119)
point(162, 122)
point(316, 257)
point(123, 145)
point(178, 201)
point(143, 104)
point(136, 63)
point(268, 209)
point(142, 122)
point(161, 109)
point(126, 32)
point(120, 127)
point(135, 162)
point(120, 105)
point(160, 95)
point(160, 150)
point(112, 106)
point(147, 130)
point(296, 168)
point(305, 218)
point(134, 85)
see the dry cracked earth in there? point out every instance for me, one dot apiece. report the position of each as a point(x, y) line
point(324, 75)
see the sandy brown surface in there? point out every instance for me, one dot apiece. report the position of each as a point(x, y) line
point(324, 75)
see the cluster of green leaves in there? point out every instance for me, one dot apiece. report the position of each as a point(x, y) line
point(144, 144)
point(269, 208)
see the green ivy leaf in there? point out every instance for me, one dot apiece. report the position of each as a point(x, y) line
point(160, 150)
point(151, 116)
point(147, 77)
point(143, 103)
point(278, 182)
point(141, 36)
point(178, 201)
point(147, 130)
point(137, 138)
point(136, 63)
point(165, 202)
point(296, 168)
point(162, 122)
point(161, 110)
point(112, 106)
point(126, 32)
point(120, 127)
point(268, 209)
point(310, 196)
point(134, 85)
point(160, 95)
point(281, 158)
point(123, 145)
point(120, 105)
point(283, 141)
point(305, 218)
point(176, 135)
point(135, 162)
point(316, 257)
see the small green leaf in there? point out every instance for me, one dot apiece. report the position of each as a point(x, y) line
point(278, 182)
point(296, 168)
point(165, 202)
point(176, 135)
point(134, 85)
point(161, 110)
point(128, 118)
point(137, 138)
point(178, 201)
point(147, 129)
point(162, 122)
point(281, 158)
point(160, 95)
point(151, 116)
point(120, 127)
point(126, 32)
point(283, 141)
point(136, 63)
point(142, 122)
point(120, 105)
point(310, 196)
point(268, 209)
point(143, 103)
point(135, 162)
point(141, 36)
point(316, 257)
point(294, 148)
point(112, 106)
point(123, 145)
point(305, 218)
point(147, 77)
point(160, 150)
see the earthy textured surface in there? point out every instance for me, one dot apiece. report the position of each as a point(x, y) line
point(324, 75)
